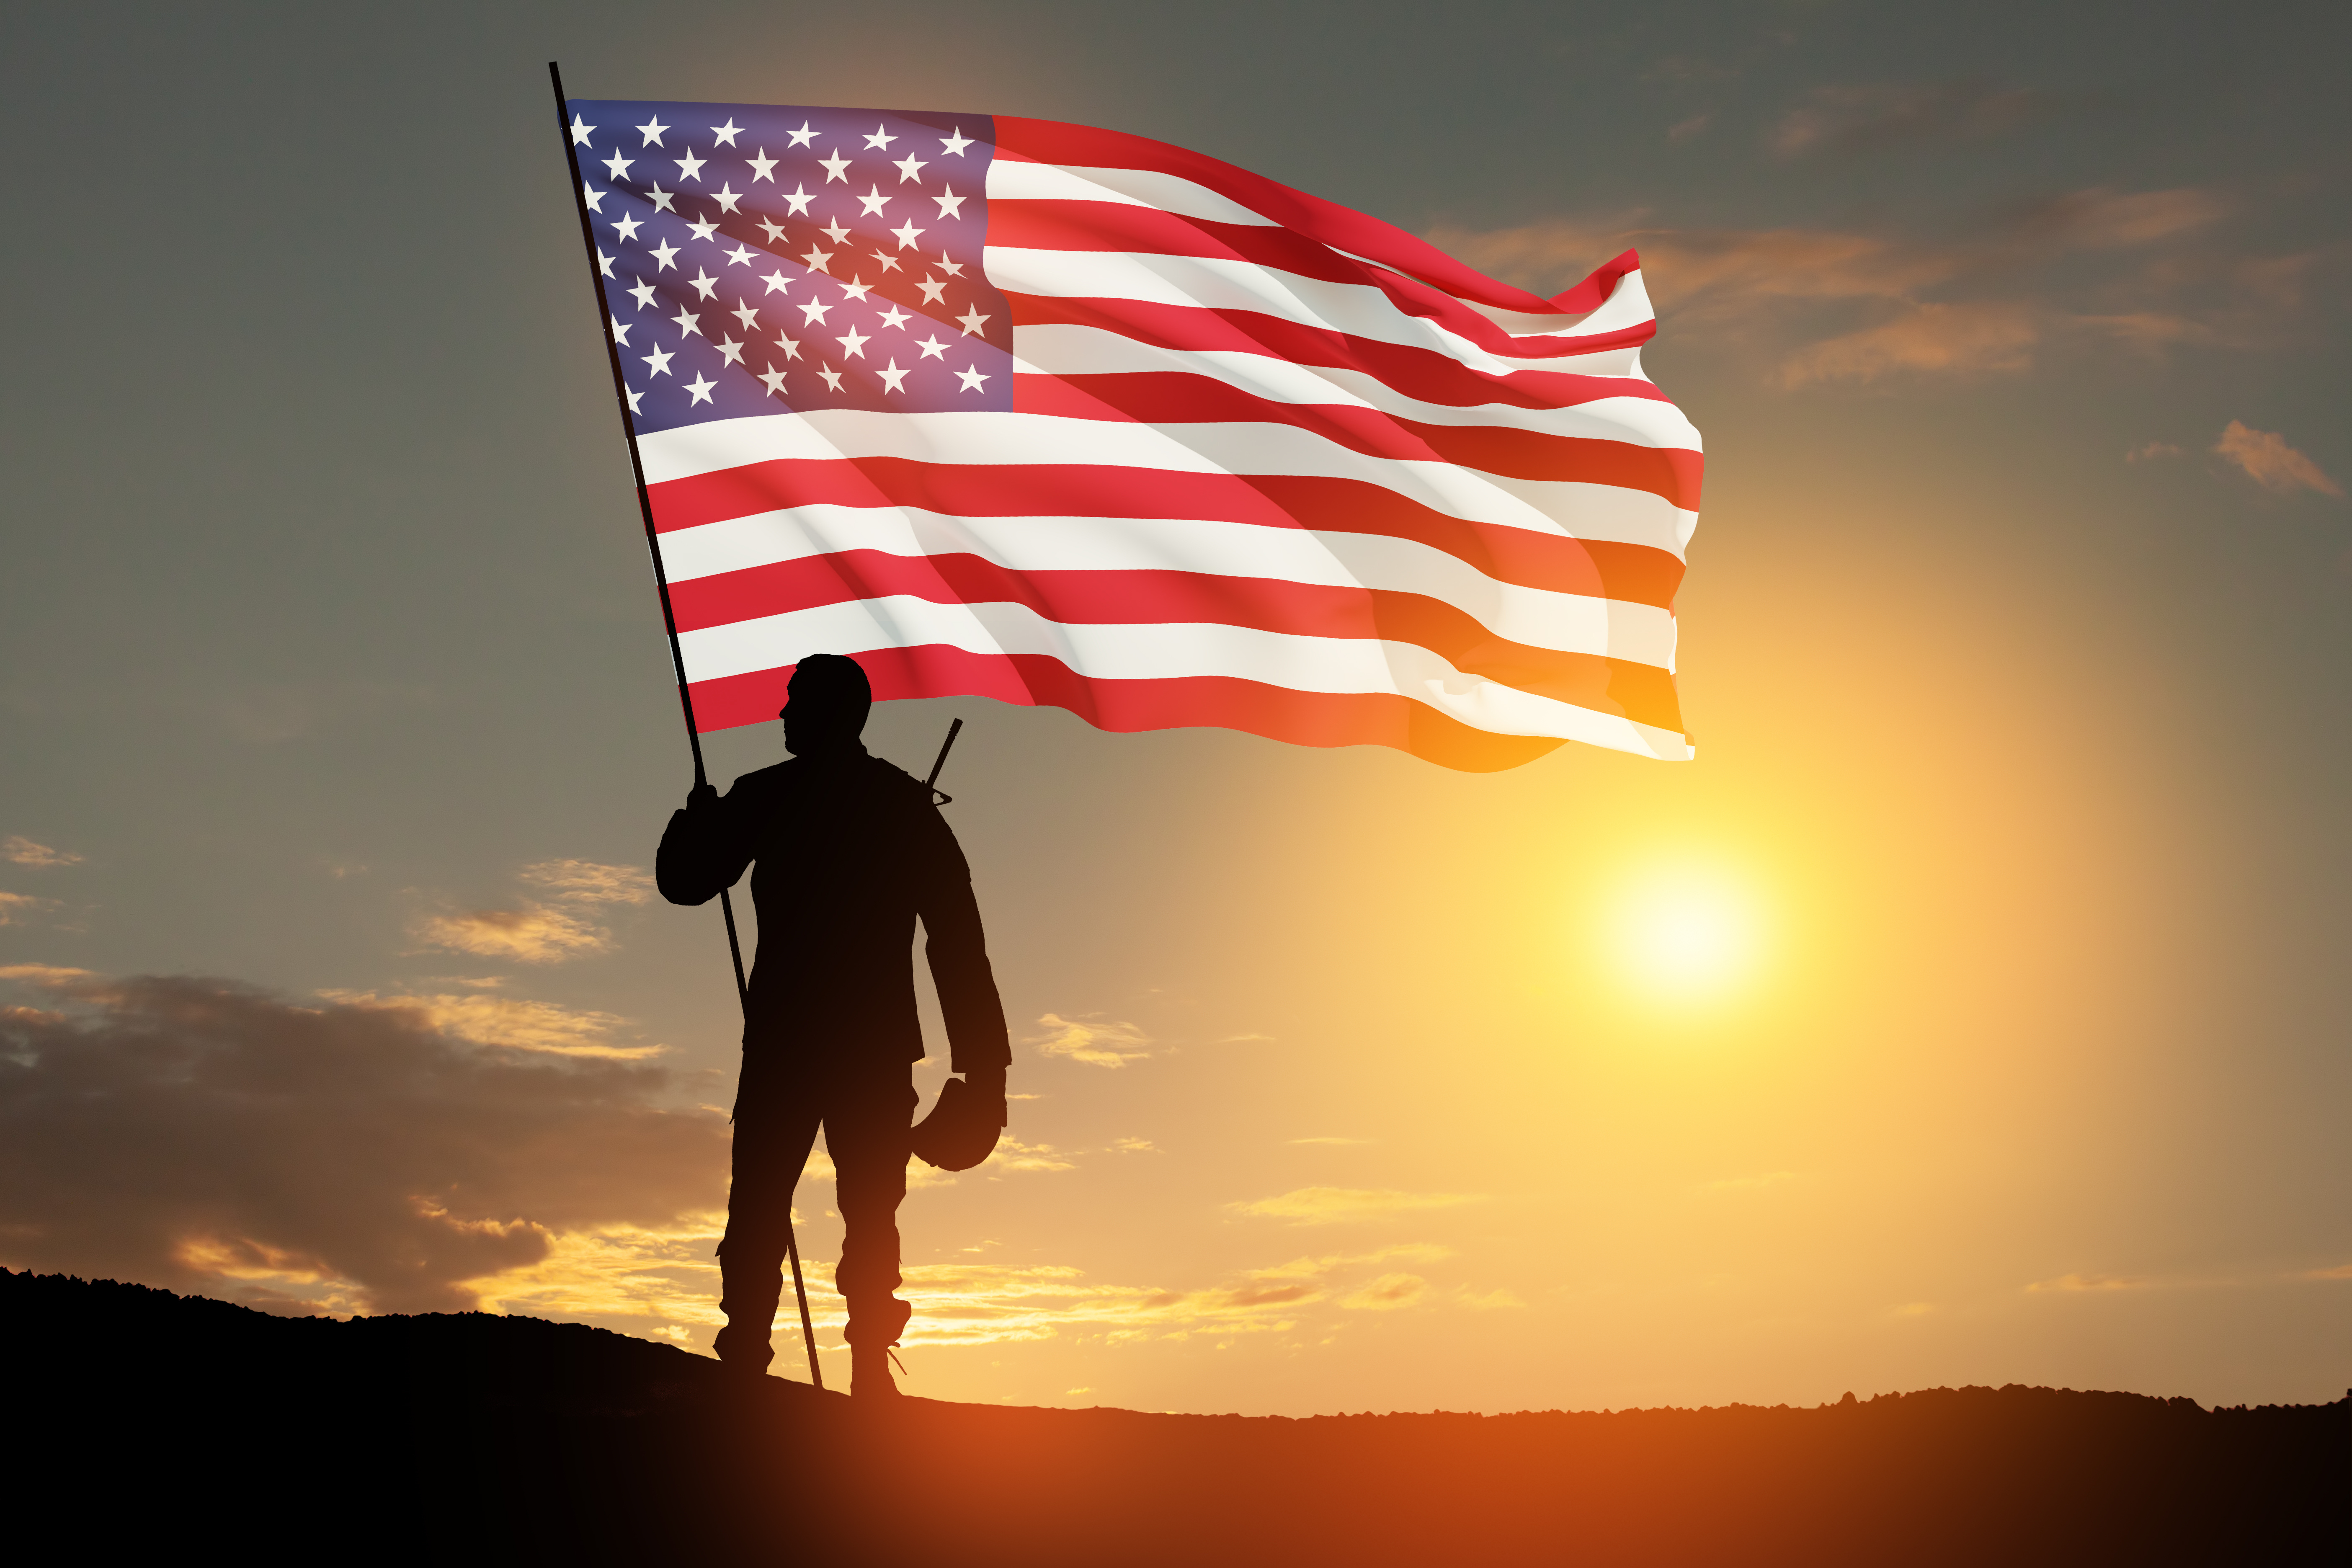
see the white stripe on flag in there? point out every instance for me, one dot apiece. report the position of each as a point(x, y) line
point(1068, 349)
point(1562, 508)
point(1163, 651)
point(1570, 623)
point(1223, 283)
point(1013, 179)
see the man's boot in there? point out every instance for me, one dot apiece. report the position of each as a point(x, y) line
point(748, 1294)
point(874, 1328)
point(869, 1373)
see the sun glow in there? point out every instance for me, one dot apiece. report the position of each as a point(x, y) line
point(1684, 933)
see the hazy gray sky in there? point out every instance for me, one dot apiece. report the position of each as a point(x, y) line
point(2014, 646)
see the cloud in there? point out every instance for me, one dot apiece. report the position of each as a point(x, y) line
point(1494, 1301)
point(47, 976)
point(1330, 1206)
point(511, 1022)
point(1849, 118)
point(2102, 218)
point(1336, 1143)
point(23, 909)
point(1134, 1146)
point(24, 852)
point(978, 1303)
point(1012, 1155)
point(2341, 1271)
point(590, 882)
point(1083, 1040)
point(2094, 270)
point(1953, 340)
point(205, 1135)
point(1687, 130)
point(1728, 271)
point(2151, 452)
point(2069, 1284)
point(542, 932)
point(534, 934)
point(1386, 1294)
point(2270, 462)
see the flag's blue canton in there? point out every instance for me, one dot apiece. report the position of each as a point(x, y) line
point(757, 259)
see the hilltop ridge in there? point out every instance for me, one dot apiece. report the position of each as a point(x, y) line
point(147, 1417)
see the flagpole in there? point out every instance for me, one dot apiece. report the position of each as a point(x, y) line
point(669, 621)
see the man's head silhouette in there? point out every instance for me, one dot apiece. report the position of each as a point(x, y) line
point(826, 705)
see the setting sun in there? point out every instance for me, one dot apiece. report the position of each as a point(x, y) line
point(1684, 933)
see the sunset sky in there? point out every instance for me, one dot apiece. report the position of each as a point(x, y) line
point(1973, 1009)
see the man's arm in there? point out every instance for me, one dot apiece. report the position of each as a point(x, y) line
point(956, 949)
point(705, 848)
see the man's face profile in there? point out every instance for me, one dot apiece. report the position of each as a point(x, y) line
point(826, 705)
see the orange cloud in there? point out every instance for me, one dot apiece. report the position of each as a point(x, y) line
point(2068, 1284)
point(1330, 1206)
point(542, 932)
point(1386, 1294)
point(1083, 1040)
point(1489, 1300)
point(1949, 339)
point(1829, 305)
point(534, 934)
point(2152, 451)
point(2270, 462)
point(24, 852)
point(19, 909)
point(590, 882)
point(511, 1022)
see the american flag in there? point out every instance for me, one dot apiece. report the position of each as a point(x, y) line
point(1060, 415)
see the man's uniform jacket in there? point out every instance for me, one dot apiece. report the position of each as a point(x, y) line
point(849, 853)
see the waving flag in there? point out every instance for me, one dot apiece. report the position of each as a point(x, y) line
point(1058, 416)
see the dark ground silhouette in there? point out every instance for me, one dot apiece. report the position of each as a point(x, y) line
point(145, 1421)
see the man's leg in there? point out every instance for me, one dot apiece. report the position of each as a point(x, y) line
point(776, 1112)
point(869, 1120)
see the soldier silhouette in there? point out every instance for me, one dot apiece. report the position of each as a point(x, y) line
point(847, 853)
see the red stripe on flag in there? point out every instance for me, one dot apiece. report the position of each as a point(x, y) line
point(1084, 146)
point(1205, 701)
point(1641, 693)
point(1176, 397)
point(1118, 226)
point(1636, 574)
point(1424, 375)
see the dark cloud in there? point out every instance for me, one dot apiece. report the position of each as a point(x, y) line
point(187, 1131)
